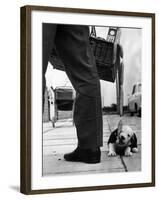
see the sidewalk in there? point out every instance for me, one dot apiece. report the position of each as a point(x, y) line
point(62, 139)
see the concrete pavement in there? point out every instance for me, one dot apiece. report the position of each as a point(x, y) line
point(62, 139)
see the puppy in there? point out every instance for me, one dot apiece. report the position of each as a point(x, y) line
point(122, 141)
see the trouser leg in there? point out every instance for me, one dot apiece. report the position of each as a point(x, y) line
point(48, 37)
point(73, 47)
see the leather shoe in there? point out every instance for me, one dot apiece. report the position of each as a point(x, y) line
point(84, 155)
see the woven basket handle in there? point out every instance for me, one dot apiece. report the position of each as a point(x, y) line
point(93, 31)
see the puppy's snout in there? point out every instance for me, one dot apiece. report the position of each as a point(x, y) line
point(122, 137)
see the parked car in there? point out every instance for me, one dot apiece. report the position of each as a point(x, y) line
point(134, 100)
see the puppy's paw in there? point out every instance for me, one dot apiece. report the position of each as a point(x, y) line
point(128, 152)
point(135, 150)
point(111, 153)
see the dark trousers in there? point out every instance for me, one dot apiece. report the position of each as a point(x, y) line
point(72, 44)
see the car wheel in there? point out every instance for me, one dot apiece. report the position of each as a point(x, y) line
point(131, 113)
point(136, 110)
point(139, 113)
point(53, 122)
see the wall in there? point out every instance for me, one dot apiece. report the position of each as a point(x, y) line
point(10, 86)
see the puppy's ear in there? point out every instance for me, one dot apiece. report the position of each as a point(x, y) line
point(113, 137)
point(120, 125)
point(133, 141)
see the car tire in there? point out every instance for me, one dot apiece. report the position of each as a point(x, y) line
point(139, 113)
point(136, 108)
point(131, 114)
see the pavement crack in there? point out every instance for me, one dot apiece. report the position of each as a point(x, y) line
point(123, 163)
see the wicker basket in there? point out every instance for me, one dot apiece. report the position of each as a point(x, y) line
point(105, 55)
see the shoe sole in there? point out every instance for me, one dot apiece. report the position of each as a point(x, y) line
point(95, 161)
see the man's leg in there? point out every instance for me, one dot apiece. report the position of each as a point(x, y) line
point(72, 43)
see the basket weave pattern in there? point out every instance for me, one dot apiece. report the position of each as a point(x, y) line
point(105, 59)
